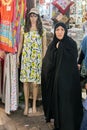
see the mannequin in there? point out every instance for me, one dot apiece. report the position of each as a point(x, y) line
point(26, 94)
point(32, 49)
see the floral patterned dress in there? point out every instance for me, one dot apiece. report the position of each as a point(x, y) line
point(31, 61)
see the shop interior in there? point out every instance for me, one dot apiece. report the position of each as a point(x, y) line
point(69, 11)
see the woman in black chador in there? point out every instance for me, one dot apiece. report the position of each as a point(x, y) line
point(61, 92)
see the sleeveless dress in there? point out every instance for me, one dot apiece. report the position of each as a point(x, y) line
point(31, 60)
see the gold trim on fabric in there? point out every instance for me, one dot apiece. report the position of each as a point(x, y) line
point(6, 2)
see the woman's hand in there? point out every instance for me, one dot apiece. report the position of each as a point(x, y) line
point(79, 66)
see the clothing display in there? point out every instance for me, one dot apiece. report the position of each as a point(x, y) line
point(6, 36)
point(12, 17)
point(0, 77)
point(31, 60)
point(63, 5)
point(10, 83)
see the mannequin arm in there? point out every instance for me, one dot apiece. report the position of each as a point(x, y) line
point(20, 46)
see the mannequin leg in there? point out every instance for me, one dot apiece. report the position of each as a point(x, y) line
point(35, 92)
point(26, 96)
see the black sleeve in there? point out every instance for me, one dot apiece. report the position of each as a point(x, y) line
point(81, 57)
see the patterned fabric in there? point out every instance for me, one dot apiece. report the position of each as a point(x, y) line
point(6, 38)
point(62, 5)
point(7, 11)
point(11, 17)
point(10, 83)
point(0, 78)
point(31, 58)
point(6, 34)
point(62, 18)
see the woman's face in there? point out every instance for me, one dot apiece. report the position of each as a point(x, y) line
point(33, 18)
point(60, 32)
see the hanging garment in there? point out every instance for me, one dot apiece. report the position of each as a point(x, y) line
point(10, 84)
point(19, 18)
point(62, 5)
point(7, 9)
point(6, 33)
point(11, 17)
point(0, 78)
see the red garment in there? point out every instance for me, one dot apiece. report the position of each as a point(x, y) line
point(7, 15)
point(6, 48)
point(7, 10)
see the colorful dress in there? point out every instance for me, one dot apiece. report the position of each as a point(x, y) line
point(31, 61)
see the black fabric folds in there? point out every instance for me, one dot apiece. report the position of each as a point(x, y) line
point(61, 92)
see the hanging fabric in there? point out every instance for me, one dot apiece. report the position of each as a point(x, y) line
point(6, 34)
point(0, 78)
point(12, 17)
point(10, 84)
point(62, 5)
